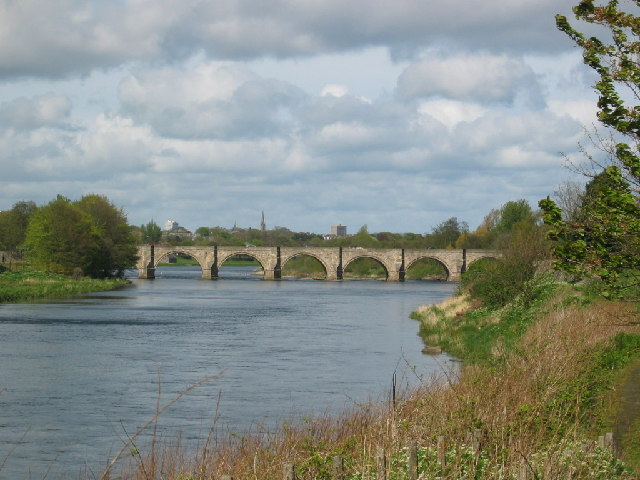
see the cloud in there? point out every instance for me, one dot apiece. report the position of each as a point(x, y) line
point(59, 38)
point(478, 77)
point(212, 101)
point(48, 110)
point(387, 113)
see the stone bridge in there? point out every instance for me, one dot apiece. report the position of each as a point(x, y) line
point(334, 259)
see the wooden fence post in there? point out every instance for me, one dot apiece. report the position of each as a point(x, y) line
point(337, 470)
point(382, 464)
point(412, 462)
point(475, 441)
point(525, 472)
point(442, 452)
point(289, 471)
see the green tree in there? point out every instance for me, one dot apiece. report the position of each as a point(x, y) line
point(605, 242)
point(13, 225)
point(116, 244)
point(203, 232)
point(364, 239)
point(60, 237)
point(91, 235)
point(150, 233)
point(446, 233)
point(513, 212)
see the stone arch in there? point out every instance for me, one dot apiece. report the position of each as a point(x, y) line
point(447, 268)
point(285, 258)
point(227, 255)
point(381, 261)
point(162, 253)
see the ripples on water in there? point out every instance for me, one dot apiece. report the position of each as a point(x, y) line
point(81, 374)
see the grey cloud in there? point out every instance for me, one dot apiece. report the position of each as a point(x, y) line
point(70, 37)
point(31, 113)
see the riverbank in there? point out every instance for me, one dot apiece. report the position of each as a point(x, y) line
point(513, 410)
point(21, 286)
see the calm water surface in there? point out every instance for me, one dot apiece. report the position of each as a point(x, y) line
point(80, 375)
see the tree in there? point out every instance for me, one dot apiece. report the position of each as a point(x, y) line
point(512, 213)
point(13, 225)
point(91, 235)
point(60, 237)
point(364, 239)
point(150, 233)
point(570, 198)
point(116, 244)
point(445, 234)
point(605, 242)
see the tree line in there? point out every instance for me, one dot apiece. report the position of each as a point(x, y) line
point(87, 237)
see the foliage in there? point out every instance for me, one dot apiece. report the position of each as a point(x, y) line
point(496, 283)
point(60, 237)
point(473, 337)
point(445, 234)
point(150, 233)
point(512, 213)
point(90, 234)
point(13, 225)
point(364, 239)
point(606, 241)
point(116, 245)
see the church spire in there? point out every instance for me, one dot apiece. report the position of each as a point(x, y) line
point(263, 225)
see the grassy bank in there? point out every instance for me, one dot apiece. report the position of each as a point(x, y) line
point(529, 401)
point(28, 285)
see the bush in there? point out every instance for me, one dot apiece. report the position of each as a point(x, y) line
point(497, 283)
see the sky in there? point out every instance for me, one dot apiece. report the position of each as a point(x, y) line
point(395, 114)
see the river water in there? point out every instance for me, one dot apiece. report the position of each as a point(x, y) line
point(79, 375)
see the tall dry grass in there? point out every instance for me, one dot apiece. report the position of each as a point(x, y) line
point(527, 410)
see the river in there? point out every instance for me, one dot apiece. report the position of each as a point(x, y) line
point(79, 375)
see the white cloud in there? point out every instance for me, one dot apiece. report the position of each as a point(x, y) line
point(479, 77)
point(334, 90)
point(451, 112)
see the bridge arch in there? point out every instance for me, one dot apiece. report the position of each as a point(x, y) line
point(227, 255)
point(371, 256)
point(287, 257)
point(439, 261)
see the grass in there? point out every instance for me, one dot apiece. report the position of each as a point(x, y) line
point(533, 398)
point(20, 286)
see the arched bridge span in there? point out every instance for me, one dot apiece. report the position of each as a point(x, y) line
point(334, 259)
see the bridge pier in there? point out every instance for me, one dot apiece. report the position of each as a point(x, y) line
point(394, 277)
point(275, 274)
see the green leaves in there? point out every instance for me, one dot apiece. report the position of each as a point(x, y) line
point(605, 239)
point(90, 234)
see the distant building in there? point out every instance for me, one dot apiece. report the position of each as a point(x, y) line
point(339, 230)
point(170, 226)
